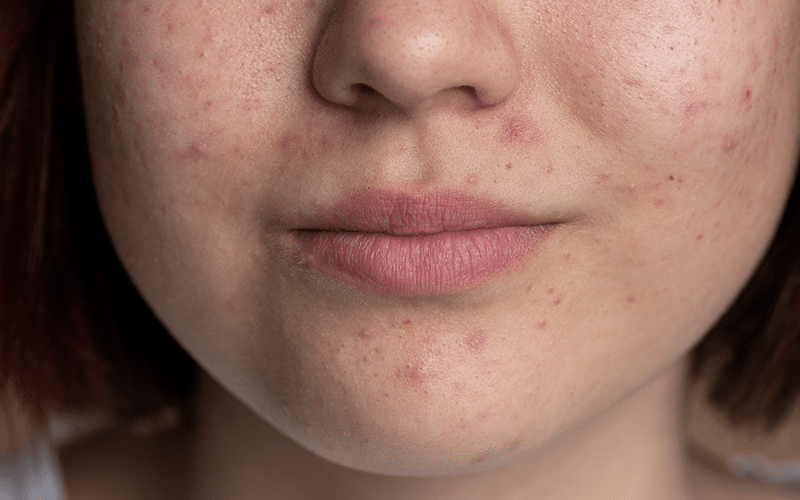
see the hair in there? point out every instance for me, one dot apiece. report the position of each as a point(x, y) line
point(75, 334)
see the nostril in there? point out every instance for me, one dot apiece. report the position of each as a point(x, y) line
point(363, 90)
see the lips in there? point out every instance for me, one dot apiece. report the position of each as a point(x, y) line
point(405, 244)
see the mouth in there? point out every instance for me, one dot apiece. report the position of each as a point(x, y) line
point(400, 244)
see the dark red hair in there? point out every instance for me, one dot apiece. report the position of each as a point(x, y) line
point(75, 334)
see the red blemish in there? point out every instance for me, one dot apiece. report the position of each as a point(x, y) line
point(480, 458)
point(695, 107)
point(412, 375)
point(406, 321)
point(364, 334)
point(476, 342)
point(268, 10)
point(699, 237)
point(542, 325)
point(658, 202)
point(728, 143)
point(557, 301)
point(513, 445)
point(509, 166)
point(630, 299)
point(290, 143)
point(518, 130)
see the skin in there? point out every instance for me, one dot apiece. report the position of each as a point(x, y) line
point(662, 138)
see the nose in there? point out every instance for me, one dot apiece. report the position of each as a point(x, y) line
point(409, 53)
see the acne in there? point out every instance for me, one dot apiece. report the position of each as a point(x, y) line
point(520, 131)
point(476, 342)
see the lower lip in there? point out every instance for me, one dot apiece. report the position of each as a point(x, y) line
point(437, 263)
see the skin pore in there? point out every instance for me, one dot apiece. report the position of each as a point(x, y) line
point(657, 143)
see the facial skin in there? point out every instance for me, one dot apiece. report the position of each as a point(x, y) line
point(659, 139)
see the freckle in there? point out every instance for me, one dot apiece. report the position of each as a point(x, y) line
point(517, 130)
point(728, 143)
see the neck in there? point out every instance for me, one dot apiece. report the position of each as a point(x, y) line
point(635, 451)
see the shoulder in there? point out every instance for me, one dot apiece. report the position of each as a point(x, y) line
point(714, 483)
point(116, 463)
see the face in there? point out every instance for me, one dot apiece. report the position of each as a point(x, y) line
point(396, 228)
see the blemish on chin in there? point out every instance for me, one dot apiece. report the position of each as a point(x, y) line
point(476, 342)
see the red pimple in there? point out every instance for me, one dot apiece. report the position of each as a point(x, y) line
point(476, 342)
point(518, 130)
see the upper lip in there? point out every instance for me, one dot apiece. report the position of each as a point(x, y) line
point(403, 214)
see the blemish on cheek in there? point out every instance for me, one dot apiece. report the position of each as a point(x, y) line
point(513, 445)
point(509, 166)
point(658, 202)
point(699, 237)
point(630, 299)
point(542, 325)
point(364, 335)
point(521, 131)
point(413, 375)
point(728, 143)
point(557, 301)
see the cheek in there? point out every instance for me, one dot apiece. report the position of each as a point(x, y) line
point(674, 82)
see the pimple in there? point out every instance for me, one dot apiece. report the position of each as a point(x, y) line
point(699, 237)
point(542, 325)
point(406, 321)
point(630, 299)
point(509, 166)
point(557, 301)
point(518, 130)
point(658, 202)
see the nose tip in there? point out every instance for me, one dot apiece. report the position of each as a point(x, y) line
point(409, 52)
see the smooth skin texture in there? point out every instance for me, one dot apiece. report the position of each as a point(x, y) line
point(660, 138)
